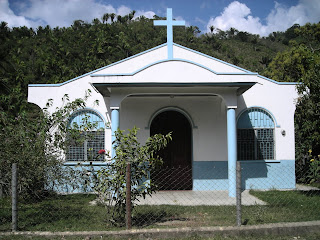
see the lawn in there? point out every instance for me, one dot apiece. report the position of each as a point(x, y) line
point(58, 213)
point(74, 213)
point(311, 236)
point(284, 206)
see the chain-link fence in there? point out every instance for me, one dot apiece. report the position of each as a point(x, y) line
point(186, 197)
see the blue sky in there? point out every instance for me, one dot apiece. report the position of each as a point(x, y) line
point(254, 16)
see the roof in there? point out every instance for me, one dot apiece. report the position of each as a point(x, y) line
point(187, 66)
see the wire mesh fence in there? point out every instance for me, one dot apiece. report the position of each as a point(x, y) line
point(186, 197)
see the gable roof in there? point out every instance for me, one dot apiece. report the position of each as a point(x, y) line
point(157, 56)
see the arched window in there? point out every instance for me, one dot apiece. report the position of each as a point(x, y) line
point(87, 136)
point(255, 135)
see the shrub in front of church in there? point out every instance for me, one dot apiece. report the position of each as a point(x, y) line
point(34, 140)
point(142, 158)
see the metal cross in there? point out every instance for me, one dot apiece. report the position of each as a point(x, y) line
point(169, 23)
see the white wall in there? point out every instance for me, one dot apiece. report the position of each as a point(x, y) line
point(279, 100)
point(208, 115)
point(76, 89)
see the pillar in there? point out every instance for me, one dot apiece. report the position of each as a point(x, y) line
point(232, 150)
point(115, 124)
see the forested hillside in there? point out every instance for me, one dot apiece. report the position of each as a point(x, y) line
point(54, 55)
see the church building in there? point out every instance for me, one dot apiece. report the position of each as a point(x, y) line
point(219, 114)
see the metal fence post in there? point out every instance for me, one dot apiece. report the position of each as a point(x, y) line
point(128, 196)
point(238, 193)
point(14, 197)
point(1, 188)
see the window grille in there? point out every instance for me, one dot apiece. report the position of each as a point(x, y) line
point(88, 142)
point(255, 135)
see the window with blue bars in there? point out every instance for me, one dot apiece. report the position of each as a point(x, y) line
point(89, 138)
point(255, 135)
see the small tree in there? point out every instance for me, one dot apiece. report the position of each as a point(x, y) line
point(143, 159)
point(301, 63)
point(35, 140)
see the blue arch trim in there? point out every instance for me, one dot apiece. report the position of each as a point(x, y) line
point(262, 118)
point(92, 112)
point(171, 108)
point(279, 83)
point(171, 60)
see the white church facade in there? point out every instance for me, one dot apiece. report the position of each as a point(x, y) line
point(219, 114)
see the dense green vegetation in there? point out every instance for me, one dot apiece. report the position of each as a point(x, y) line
point(53, 55)
point(301, 63)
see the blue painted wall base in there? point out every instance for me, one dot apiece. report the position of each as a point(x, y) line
point(76, 184)
point(209, 176)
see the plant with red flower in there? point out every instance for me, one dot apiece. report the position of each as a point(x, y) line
point(102, 151)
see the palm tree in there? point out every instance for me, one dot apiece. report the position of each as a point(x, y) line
point(131, 15)
point(119, 18)
point(105, 18)
point(96, 21)
point(112, 16)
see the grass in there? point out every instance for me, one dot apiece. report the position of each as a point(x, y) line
point(284, 206)
point(181, 216)
point(307, 237)
point(74, 213)
point(311, 236)
point(58, 213)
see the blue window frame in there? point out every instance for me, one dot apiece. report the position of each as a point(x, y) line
point(255, 135)
point(86, 145)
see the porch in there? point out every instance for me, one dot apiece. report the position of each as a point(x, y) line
point(198, 198)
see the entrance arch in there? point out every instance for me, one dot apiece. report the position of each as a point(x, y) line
point(176, 171)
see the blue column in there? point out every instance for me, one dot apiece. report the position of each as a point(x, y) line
point(115, 123)
point(232, 150)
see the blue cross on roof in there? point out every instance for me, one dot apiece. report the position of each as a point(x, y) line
point(169, 23)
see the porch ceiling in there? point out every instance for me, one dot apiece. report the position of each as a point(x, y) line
point(105, 88)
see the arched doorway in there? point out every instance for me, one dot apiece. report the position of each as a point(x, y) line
point(176, 171)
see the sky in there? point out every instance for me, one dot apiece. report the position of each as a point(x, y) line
point(254, 16)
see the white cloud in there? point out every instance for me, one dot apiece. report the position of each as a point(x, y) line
point(7, 15)
point(60, 13)
point(123, 10)
point(238, 15)
point(147, 14)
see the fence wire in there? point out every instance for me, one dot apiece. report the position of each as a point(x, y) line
point(186, 197)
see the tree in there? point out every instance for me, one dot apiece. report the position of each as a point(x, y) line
point(131, 15)
point(105, 18)
point(34, 140)
point(301, 63)
point(291, 65)
point(112, 184)
point(112, 16)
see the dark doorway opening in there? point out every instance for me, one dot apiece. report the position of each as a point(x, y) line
point(176, 171)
